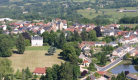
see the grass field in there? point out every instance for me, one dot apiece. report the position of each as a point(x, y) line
point(35, 58)
point(134, 25)
point(98, 62)
point(115, 15)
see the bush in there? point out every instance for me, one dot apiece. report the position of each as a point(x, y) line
point(45, 44)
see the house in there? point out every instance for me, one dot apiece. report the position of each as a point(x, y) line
point(86, 63)
point(114, 44)
point(118, 52)
point(24, 12)
point(37, 41)
point(40, 71)
point(102, 72)
point(108, 76)
point(108, 33)
point(41, 31)
point(89, 8)
point(100, 43)
point(87, 43)
point(86, 49)
point(4, 27)
point(127, 48)
point(133, 52)
point(132, 76)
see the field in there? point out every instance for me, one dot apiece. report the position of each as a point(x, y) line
point(35, 58)
point(115, 15)
point(133, 25)
point(35, 47)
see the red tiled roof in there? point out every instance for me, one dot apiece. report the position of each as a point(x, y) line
point(136, 52)
point(85, 61)
point(40, 70)
point(101, 72)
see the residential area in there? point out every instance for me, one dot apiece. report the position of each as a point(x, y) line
point(100, 48)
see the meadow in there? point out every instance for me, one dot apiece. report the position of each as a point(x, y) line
point(33, 58)
point(115, 15)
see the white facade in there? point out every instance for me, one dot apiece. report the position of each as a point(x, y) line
point(39, 74)
point(37, 41)
point(4, 27)
point(41, 31)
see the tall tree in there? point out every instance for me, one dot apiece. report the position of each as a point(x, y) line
point(62, 40)
point(49, 74)
point(45, 36)
point(98, 31)
point(84, 35)
point(27, 71)
point(20, 44)
point(103, 59)
point(55, 71)
point(92, 35)
point(12, 77)
point(23, 74)
point(0, 76)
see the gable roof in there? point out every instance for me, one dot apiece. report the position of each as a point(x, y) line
point(85, 61)
point(37, 38)
point(101, 72)
point(40, 70)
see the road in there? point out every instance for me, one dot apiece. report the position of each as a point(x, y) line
point(110, 65)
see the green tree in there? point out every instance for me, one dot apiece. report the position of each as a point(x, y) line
point(26, 77)
point(5, 66)
point(27, 42)
point(35, 76)
point(113, 78)
point(136, 27)
point(91, 51)
point(45, 36)
point(92, 67)
point(76, 72)
point(51, 38)
point(6, 78)
point(103, 59)
point(27, 71)
point(49, 74)
point(97, 74)
point(12, 76)
point(84, 35)
point(128, 55)
point(0, 76)
point(55, 71)
point(123, 75)
point(80, 60)
point(23, 74)
point(20, 44)
point(62, 40)
point(51, 50)
point(124, 57)
point(92, 35)
point(17, 72)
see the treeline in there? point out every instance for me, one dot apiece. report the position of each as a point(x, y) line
point(128, 20)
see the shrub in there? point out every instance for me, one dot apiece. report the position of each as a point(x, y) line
point(84, 73)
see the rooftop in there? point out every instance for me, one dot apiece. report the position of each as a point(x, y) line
point(40, 70)
point(37, 38)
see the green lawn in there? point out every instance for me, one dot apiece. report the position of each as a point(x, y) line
point(98, 62)
point(35, 58)
point(83, 0)
point(35, 47)
point(15, 0)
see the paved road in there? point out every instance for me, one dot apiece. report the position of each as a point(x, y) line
point(109, 66)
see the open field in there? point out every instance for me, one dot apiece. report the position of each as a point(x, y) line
point(15, 0)
point(133, 25)
point(83, 0)
point(35, 58)
point(115, 15)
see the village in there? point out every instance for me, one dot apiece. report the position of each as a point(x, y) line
point(122, 46)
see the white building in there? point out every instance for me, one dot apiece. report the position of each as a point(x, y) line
point(4, 27)
point(37, 41)
point(8, 19)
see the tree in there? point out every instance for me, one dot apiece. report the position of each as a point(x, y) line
point(23, 74)
point(0, 76)
point(76, 72)
point(124, 57)
point(103, 59)
point(17, 72)
point(92, 67)
point(5, 66)
point(92, 35)
point(19, 76)
point(27, 42)
point(80, 60)
point(51, 38)
point(97, 74)
point(123, 75)
point(62, 40)
point(90, 13)
point(45, 36)
point(113, 78)
point(27, 71)
point(11, 76)
point(51, 50)
point(20, 44)
point(49, 74)
point(91, 51)
point(55, 71)
point(84, 35)
point(98, 31)
point(128, 55)
point(6, 78)
point(136, 27)
point(26, 77)
point(35, 76)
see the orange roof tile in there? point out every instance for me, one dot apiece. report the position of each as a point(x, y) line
point(85, 61)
